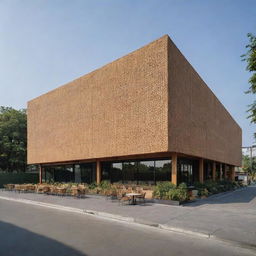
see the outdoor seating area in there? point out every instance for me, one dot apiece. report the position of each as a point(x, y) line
point(129, 194)
point(123, 194)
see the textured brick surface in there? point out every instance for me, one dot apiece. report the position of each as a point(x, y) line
point(199, 125)
point(119, 109)
point(149, 101)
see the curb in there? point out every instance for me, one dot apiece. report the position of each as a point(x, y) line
point(109, 216)
point(184, 231)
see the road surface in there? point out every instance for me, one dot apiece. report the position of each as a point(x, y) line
point(29, 230)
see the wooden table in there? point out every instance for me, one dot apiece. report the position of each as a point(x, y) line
point(133, 195)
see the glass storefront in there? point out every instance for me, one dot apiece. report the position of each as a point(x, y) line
point(139, 171)
point(147, 171)
point(58, 174)
point(78, 173)
point(208, 166)
point(218, 171)
point(188, 170)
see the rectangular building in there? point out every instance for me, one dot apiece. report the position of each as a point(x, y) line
point(143, 118)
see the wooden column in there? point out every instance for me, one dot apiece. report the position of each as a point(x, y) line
point(98, 172)
point(40, 173)
point(220, 171)
point(201, 170)
point(174, 169)
point(232, 173)
point(214, 171)
point(225, 171)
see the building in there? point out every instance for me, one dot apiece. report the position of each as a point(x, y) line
point(143, 118)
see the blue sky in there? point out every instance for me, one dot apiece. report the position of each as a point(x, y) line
point(44, 44)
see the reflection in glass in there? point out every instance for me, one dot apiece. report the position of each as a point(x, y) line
point(139, 172)
point(163, 170)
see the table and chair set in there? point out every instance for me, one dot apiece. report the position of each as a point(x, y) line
point(123, 195)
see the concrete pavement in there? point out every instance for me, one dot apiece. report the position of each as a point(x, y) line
point(229, 216)
point(30, 230)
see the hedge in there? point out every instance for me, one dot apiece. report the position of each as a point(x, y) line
point(18, 178)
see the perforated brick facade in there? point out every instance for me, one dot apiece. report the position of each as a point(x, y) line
point(119, 109)
point(199, 125)
point(150, 101)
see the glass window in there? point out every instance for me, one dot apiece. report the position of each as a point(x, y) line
point(139, 172)
point(64, 173)
point(207, 170)
point(88, 173)
point(116, 172)
point(146, 172)
point(77, 173)
point(48, 174)
point(112, 172)
point(187, 170)
point(129, 172)
point(105, 171)
point(163, 170)
point(217, 171)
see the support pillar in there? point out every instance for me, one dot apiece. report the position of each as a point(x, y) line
point(98, 172)
point(226, 172)
point(213, 171)
point(232, 173)
point(221, 175)
point(201, 170)
point(40, 173)
point(174, 169)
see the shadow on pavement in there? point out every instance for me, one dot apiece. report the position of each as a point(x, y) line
point(243, 196)
point(19, 241)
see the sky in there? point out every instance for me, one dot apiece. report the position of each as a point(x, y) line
point(47, 43)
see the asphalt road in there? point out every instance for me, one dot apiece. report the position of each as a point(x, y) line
point(32, 230)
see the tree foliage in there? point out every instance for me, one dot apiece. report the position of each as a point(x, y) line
point(13, 139)
point(249, 166)
point(250, 58)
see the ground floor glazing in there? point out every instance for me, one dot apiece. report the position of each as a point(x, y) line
point(176, 169)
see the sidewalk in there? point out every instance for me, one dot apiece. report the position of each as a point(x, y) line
point(230, 216)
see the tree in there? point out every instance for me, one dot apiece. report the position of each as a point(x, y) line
point(13, 139)
point(249, 166)
point(250, 58)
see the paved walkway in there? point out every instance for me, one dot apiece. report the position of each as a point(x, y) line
point(229, 216)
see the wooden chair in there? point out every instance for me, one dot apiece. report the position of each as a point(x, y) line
point(142, 197)
point(123, 198)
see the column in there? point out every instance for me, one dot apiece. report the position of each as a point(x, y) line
point(174, 169)
point(225, 171)
point(40, 173)
point(213, 171)
point(201, 170)
point(98, 172)
point(232, 172)
point(220, 171)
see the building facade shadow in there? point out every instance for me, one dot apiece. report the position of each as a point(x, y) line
point(18, 241)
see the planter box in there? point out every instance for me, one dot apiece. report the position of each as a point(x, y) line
point(167, 202)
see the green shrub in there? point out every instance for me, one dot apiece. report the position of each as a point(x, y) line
point(93, 185)
point(212, 186)
point(183, 192)
point(204, 192)
point(168, 191)
point(162, 188)
point(178, 194)
point(105, 184)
